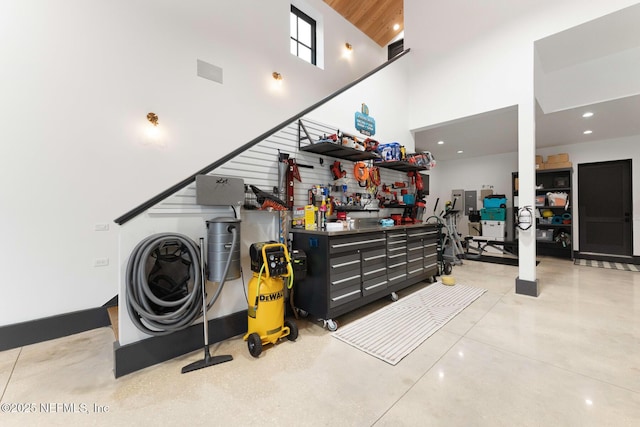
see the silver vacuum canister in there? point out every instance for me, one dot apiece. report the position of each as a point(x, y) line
point(220, 240)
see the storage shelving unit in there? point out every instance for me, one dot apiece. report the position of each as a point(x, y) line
point(553, 239)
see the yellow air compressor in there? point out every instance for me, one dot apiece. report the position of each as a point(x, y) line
point(272, 271)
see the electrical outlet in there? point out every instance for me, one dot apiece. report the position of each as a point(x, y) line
point(101, 227)
point(101, 262)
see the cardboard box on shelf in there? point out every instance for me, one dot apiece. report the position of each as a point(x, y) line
point(558, 158)
point(485, 193)
point(539, 160)
point(561, 165)
point(540, 166)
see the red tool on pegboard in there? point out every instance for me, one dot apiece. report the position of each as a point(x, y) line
point(292, 173)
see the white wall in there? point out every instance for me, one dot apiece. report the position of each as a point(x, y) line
point(468, 175)
point(77, 79)
point(386, 94)
point(601, 151)
point(603, 79)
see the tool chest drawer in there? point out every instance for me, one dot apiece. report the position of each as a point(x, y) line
point(344, 279)
point(374, 263)
point(414, 247)
point(415, 268)
point(355, 242)
point(374, 285)
point(374, 256)
point(343, 296)
point(339, 264)
point(397, 274)
point(422, 233)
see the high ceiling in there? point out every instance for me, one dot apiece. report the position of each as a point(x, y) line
point(375, 18)
point(576, 54)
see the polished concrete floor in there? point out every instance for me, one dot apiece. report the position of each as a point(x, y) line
point(570, 357)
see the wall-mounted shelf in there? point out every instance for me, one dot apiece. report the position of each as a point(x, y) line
point(354, 209)
point(396, 205)
point(339, 151)
point(400, 166)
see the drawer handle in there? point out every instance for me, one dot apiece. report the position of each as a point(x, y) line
point(345, 295)
point(416, 249)
point(397, 249)
point(375, 240)
point(342, 245)
point(375, 257)
point(429, 256)
point(431, 265)
point(376, 285)
point(418, 234)
point(428, 246)
point(375, 271)
point(397, 255)
point(346, 263)
point(397, 235)
point(398, 264)
point(398, 277)
point(337, 282)
point(415, 259)
point(415, 271)
point(359, 242)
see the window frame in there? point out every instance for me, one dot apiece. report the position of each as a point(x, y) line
point(312, 22)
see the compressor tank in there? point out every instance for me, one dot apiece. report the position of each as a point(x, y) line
point(267, 294)
point(220, 240)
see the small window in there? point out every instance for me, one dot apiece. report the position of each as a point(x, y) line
point(303, 35)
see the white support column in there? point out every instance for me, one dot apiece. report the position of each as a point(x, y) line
point(526, 282)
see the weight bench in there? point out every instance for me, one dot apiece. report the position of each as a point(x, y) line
point(482, 243)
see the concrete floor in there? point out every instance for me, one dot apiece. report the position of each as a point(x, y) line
point(567, 358)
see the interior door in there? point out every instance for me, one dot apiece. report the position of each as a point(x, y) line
point(604, 207)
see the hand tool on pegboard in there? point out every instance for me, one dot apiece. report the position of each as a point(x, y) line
point(267, 200)
point(416, 180)
point(293, 172)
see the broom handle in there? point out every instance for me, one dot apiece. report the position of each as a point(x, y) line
point(204, 295)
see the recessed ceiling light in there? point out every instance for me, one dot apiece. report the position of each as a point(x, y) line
point(587, 114)
point(440, 142)
point(460, 151)
point(588, 132)
point(396, 27)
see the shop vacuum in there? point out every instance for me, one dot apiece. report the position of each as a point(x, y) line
point(224, 264)
point(272, 271)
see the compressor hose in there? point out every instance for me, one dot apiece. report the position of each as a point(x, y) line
point(141, 300)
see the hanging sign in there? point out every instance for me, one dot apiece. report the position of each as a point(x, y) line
point(365, 124)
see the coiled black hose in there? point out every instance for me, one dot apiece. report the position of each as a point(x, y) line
point(177, 314)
